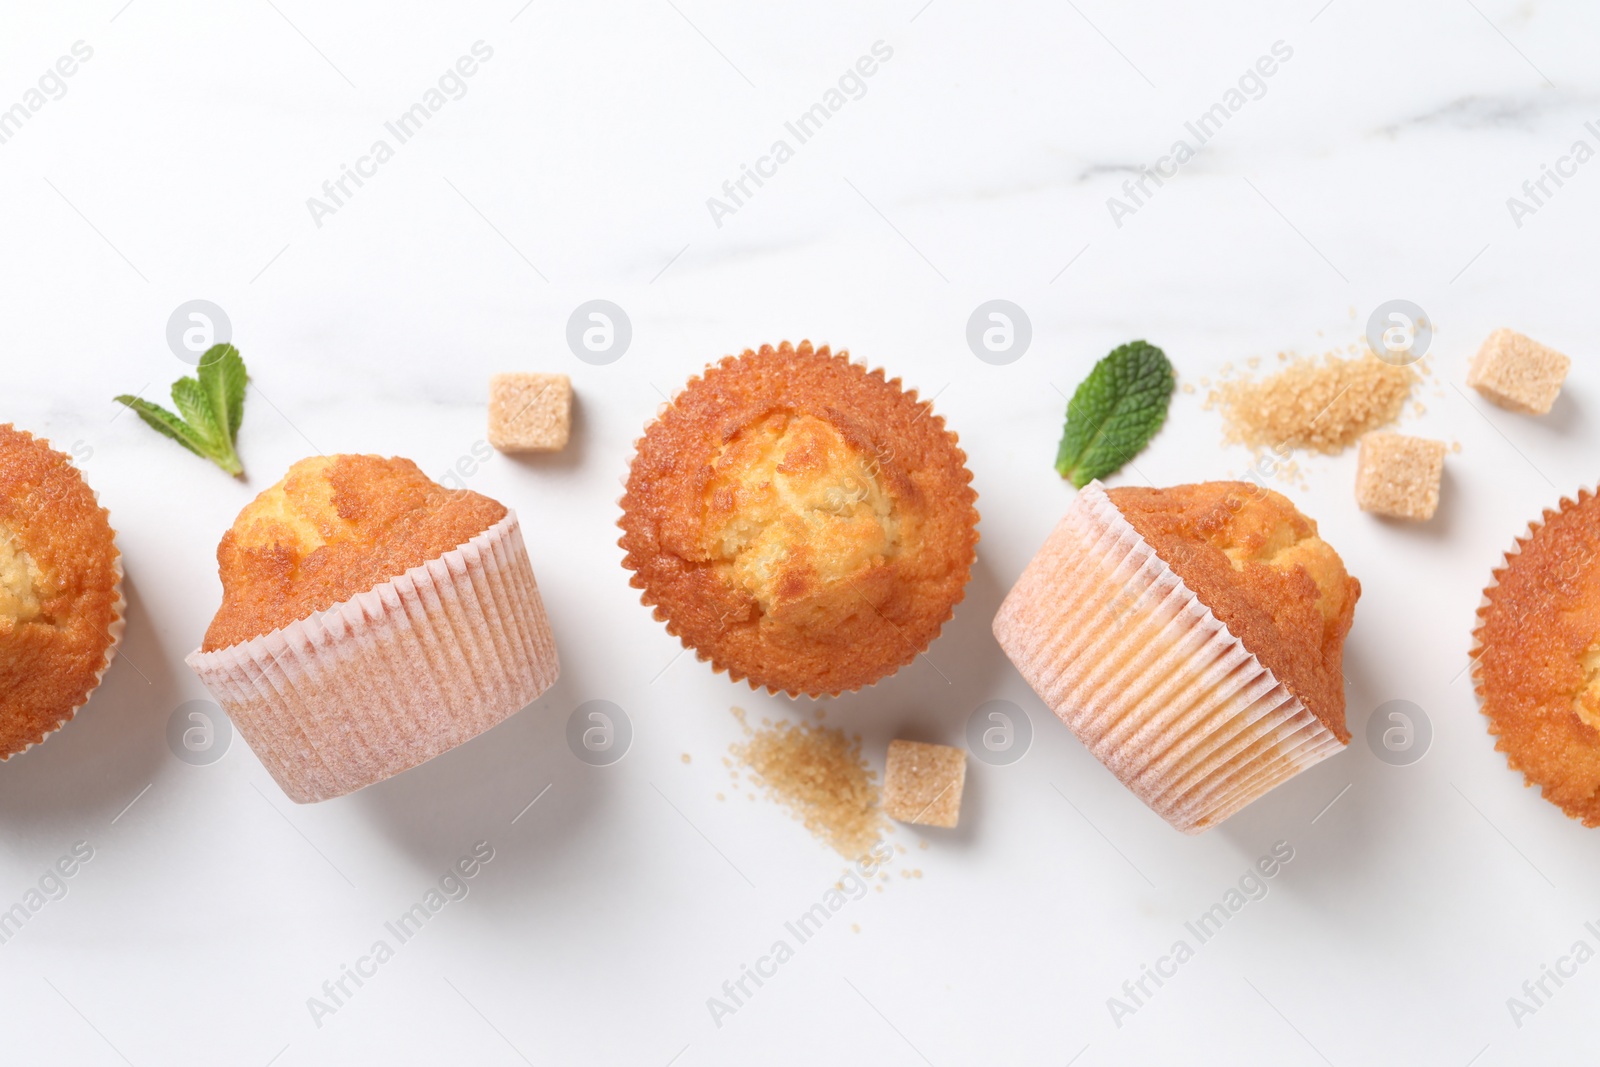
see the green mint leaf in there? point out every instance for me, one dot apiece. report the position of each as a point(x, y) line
point(210, 409)
point(223, 377)
point(166, 423)
point(195, 408)
point(1115, 412)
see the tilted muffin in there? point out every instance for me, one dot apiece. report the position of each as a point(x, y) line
point(1536, 657)
point(1193, 639)
point(334, 527)
point(801, 522)
point(60, 591)
point(371, 619)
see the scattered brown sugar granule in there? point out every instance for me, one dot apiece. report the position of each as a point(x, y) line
point(922, 783)
point(1321, 403)
point(819, 775)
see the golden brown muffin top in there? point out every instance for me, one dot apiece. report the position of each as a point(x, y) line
point(1258, 564)
point(58, 589)
point(333, 528)
point(1538, 662)
point(799, 521)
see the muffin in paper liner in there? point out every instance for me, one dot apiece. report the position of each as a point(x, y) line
point(387, 680)
point(799, 613)
point(114, 632)
point(72, 504)
point(1536, 656)
point(1147, 676)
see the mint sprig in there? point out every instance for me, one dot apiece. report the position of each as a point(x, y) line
point(1115, 412)
point(210, 409)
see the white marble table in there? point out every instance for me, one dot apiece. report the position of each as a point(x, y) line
point(594, 152)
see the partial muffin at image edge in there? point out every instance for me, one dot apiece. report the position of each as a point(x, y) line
point(371, 619)
point(1536, 656)
point(804, 524)
point(61, 605)
point(1191, 637)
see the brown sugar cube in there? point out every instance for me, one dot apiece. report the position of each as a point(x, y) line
point(530, 412)
point(1399, 476)
point(1518, 373)
point(922, 783)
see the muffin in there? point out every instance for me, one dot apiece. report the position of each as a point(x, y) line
point(1192, 638)
point(1536, 657)
point(60, 591)
point(800, 522)
point(371, 619)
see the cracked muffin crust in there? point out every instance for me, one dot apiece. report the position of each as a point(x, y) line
point(60, 598)
point(1259, 565)
point(1536, 659)
point(334, 527)
point(802, 523)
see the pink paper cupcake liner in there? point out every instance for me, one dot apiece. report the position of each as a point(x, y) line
point(395, 676)
point(1151, 681)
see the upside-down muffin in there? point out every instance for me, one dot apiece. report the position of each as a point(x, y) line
point(60, 591)
point(371, 619)
point(1193, 639)
point(799, 521)
point(1537, 657)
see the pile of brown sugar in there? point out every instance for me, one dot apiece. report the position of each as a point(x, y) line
point(1320, 403)
point(819, 775)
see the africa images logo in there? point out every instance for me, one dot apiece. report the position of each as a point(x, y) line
point(1252, 887)
point(451, 85)
point(851, 886)
point(736, 191)
point(451, 887)
point(1251, 85)
point(51, 85)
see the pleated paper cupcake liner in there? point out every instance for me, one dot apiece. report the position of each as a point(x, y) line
point(1148, 677)
point(754, 678)
point(1486, 603)
point(395, 676)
